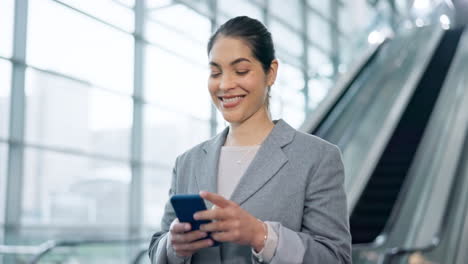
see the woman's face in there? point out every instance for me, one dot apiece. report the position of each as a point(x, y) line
point(237, 83)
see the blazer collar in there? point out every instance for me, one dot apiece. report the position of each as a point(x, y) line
point(268, 160)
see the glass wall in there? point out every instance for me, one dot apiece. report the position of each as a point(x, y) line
point(115, 90)
point(6, 27)
point(5, 81)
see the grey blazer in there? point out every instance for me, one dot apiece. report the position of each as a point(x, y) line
point(295, 181)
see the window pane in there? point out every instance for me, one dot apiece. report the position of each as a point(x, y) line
point(318, 89)
point(293, 115)
point(290, 82)
point(285, 38)
point(176, 84)
point(170, 40)
point(3, 168)
point(157, 182)
point(167, 135)
point(6, 27)
point(323, 7)
point(5, 84)
point(72, 190)
point(287, 9)
point(65, 41)
point(319, 32)
point(230, 9)
point(64, 113)
point(183, 20)
point(354, 17)
point(319, 63)
point(107, 10)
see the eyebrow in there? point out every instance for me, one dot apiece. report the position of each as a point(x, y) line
point(236, 61)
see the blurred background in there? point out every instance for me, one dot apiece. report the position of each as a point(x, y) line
point(97, 98)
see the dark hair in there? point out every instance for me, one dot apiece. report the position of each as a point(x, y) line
point(255, 35)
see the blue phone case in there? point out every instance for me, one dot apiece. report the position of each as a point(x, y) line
point(185, 205)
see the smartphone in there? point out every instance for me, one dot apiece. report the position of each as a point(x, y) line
point(185, 205)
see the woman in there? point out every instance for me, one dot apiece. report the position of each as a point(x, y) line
point(277, 193)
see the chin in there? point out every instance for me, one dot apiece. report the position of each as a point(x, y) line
point(232, 117)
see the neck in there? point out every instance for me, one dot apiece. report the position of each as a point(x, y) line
point(251, 131)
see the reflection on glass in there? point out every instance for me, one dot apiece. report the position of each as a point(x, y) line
point(176, 84)
point(62, 189)
point(6, 27)
point(68, 42)
point(65, 113)
point(5, 82)
point(157, 182)
point(167, 134)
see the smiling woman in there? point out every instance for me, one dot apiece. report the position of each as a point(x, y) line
point(253, 161)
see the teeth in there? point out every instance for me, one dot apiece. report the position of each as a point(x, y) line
point(230, 100)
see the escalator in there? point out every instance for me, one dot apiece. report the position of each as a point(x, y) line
point(374, 207)
point(405, 74)
point(431, 219)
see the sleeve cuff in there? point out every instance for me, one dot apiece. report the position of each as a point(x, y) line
point(266, 254)
point(172, 257)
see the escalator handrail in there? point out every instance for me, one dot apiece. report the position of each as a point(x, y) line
point(323, 109)
point(52, 244)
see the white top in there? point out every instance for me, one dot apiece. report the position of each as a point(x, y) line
point(233, 162)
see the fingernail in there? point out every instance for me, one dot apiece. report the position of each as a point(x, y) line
point(187, 227)
point(202, 193)
point(210, 242)
point(195, 216)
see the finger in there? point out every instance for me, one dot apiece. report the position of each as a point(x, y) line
point(216, 199)
point(213, 214)
point(194, 246)
point(187, 237)
point(177, 228)
point(223, 236)
point(218, 226)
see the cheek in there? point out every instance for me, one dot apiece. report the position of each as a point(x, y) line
point(212, 87)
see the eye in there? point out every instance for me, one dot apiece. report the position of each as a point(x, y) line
point(215, 74)
point(242, 72)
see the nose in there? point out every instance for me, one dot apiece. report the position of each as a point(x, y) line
point(227, 82)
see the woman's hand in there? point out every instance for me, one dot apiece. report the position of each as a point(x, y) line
point(184, 242)
point(232, 223)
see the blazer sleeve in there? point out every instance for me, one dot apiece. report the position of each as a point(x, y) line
point(324, 236)
point(159, 251)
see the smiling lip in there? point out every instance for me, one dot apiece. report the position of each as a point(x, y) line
point(231, 101)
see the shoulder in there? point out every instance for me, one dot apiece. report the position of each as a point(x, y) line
point(193, 153)
point(310, 143)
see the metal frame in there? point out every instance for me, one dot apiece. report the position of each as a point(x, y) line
point(14, 190)
point(135, 221)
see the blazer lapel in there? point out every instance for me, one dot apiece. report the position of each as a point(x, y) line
point(207, 178)
point(268, 160)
